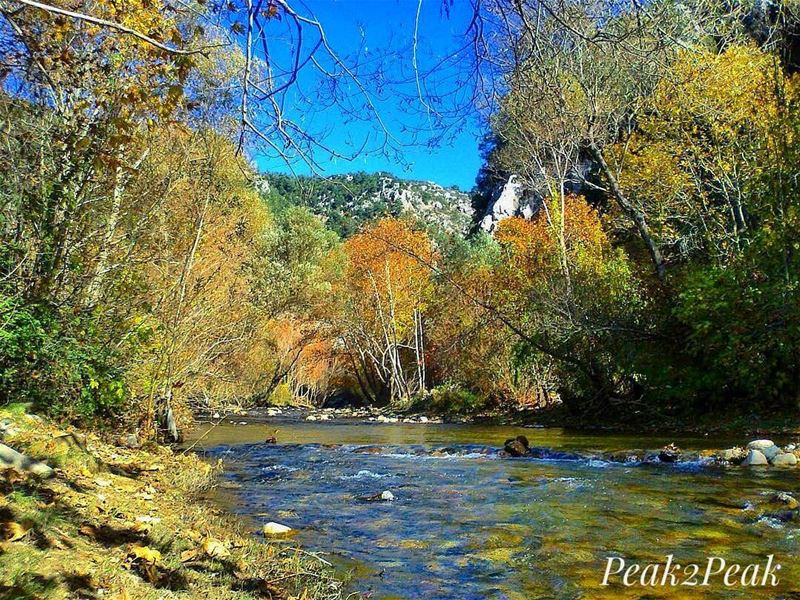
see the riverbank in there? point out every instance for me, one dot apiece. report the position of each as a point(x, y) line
point(730, 423)
point(126, 522)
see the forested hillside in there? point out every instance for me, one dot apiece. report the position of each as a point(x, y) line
point(347, 202)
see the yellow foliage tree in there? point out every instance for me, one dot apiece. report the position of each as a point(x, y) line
point(388, 284)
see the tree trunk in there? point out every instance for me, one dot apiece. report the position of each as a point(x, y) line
point(633, 213)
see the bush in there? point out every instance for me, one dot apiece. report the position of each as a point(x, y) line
point(60, 365)
point(449, 399)
point(282, 395)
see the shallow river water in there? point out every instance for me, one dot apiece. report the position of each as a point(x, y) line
point(467, 523)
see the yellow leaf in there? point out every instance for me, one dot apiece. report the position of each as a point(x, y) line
point(188, 555)
point(146, 554)
point(214, 548)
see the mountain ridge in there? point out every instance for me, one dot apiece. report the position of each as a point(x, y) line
point(347, 201)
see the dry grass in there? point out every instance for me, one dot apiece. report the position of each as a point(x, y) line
point(130, 524)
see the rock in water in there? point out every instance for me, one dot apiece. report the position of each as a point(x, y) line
point(787, 499)
point(766, 447)
point(755, 458)
point(735, 456)
point(517, 446)
point(385, 496)
point(669, 454)
point(275, 529)
point(784, 459)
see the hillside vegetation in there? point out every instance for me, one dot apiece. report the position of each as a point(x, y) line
point(347, 202)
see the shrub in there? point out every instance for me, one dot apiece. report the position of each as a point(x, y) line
point(449, 399)
point(60, 365)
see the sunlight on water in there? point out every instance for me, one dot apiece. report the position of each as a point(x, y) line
point(468, 523)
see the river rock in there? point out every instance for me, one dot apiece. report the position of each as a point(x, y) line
point(517, 446)
point(272, 529)
point(735, 455)
point(766, 447)
point(669, 454)
point(786, 499)
point(384, 496)
point(755, 458)
point(784, 459)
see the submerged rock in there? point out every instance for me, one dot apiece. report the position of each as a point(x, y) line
point(786, 499)
point(755, 458)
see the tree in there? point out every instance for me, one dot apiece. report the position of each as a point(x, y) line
point(388, 285)
point(575, 326)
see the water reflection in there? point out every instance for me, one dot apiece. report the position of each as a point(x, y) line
point(466, 523)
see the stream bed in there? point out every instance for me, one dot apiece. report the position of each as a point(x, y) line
point(469, 523)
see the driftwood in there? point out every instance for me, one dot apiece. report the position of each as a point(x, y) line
point(11, 458)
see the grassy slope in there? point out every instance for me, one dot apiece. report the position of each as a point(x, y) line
point(89, 531)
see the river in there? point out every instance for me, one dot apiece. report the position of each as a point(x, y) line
point(468, 523)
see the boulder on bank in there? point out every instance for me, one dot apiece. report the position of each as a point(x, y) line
point(7, 429)
point(517, 446)
point(784, 459)
point(11, 458)
point(755, 458)
point(766, 447)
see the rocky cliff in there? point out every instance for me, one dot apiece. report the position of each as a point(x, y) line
point(512, 199)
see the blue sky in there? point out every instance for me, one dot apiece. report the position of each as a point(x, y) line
point(373, 28)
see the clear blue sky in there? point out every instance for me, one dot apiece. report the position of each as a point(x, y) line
point(371, 29)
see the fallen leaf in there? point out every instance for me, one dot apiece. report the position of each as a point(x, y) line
point(148, 519)
point(193, 535)
point(88, 530)
point(141, 527)
point(214, 548)
point(188, 555)
point(13, 531)
point(146, 554)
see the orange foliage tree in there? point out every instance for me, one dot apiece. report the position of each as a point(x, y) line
point(387, 288)
point(567, 297)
